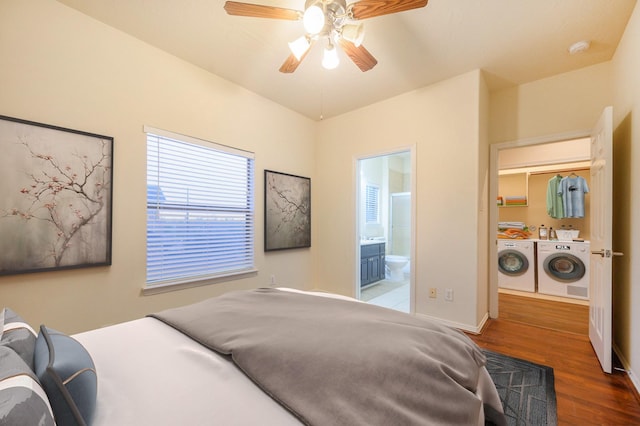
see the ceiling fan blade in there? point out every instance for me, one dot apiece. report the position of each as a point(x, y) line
point(260, 11)
point(291, 63)
point(359, 55)
point(369, 8)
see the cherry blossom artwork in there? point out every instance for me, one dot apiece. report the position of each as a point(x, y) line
point(56, 197)
point(287, 211)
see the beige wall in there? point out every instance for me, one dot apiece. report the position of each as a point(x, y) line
point(441, 122)
point(563, 103)
point(626, 179)
point(59, 67)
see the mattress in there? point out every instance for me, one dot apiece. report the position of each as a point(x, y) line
point(151, 374)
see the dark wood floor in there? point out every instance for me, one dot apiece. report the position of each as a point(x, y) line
point(585, 395)
point(563, 316)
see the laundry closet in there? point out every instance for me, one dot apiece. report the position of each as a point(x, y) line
point(542, 237)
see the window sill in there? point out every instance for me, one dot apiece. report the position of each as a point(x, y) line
point(196, 282)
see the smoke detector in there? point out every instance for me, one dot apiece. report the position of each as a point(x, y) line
point(579, 47)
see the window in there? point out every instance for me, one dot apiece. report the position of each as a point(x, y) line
point(200, 209)
point(372, 198)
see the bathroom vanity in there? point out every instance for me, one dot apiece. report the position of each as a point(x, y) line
point(372, 265)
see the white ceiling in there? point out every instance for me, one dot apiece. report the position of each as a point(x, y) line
point(513, 41)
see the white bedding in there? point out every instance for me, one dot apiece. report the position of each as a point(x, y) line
point(151, 374)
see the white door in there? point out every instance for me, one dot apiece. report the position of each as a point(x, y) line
point(600, 306)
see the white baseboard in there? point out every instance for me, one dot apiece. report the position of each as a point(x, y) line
point(480, 326)
point(464, 327)
point(632, 375)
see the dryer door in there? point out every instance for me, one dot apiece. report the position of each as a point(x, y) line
point(512, 262)
point(564, 267)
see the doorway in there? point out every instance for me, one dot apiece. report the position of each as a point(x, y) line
point(601, 229)
point(524, 171)
point(384, 230)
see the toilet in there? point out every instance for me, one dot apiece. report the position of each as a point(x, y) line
point(396, 265)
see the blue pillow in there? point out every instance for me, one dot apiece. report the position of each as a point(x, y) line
point(22, 399)
point(67, 373)
point(18, 335)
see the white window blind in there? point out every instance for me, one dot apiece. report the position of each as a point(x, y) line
point(372, 196)
point(200, 209)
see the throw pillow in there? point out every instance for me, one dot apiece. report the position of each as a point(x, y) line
point(67, 373)
point(18, 335)
point(22, 399)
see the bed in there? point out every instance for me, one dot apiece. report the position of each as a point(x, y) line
point(266, 356)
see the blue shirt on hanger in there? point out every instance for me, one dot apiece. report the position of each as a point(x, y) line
point(572, 188)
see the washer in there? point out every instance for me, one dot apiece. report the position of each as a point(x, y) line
point(563, 268)
point(516, 265)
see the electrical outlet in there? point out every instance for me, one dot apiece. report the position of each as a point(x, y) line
point(448, 295)
point(272, 282)
point(433, 293)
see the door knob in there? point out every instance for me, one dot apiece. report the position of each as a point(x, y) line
point(607, 253)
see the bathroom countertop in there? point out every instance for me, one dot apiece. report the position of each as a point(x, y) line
point(367, 242)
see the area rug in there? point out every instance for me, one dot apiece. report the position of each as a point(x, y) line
point(526, 390)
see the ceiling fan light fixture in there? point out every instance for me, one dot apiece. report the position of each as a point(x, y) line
point(299, 46)
point(330, 58)
point(313, 19)
point(353, 33)
point(327, 19)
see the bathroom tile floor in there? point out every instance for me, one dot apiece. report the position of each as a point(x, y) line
point(389, 295)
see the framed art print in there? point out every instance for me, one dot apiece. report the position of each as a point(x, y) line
point(287, 212)
point(56, 186)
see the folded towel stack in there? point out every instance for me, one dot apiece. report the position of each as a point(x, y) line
point(513, 231)
point(515, 201)
point(512, 225)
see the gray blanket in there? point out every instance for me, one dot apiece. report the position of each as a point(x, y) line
point(335, 362)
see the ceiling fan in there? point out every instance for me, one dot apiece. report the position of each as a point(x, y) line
point(333, 20)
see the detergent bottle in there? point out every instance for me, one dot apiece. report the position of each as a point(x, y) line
point(542, 233)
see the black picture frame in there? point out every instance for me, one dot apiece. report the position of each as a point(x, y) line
point(287, 211)
point(57, 196)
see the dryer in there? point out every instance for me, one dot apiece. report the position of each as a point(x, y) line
point(563, 268)
point(516, 265)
